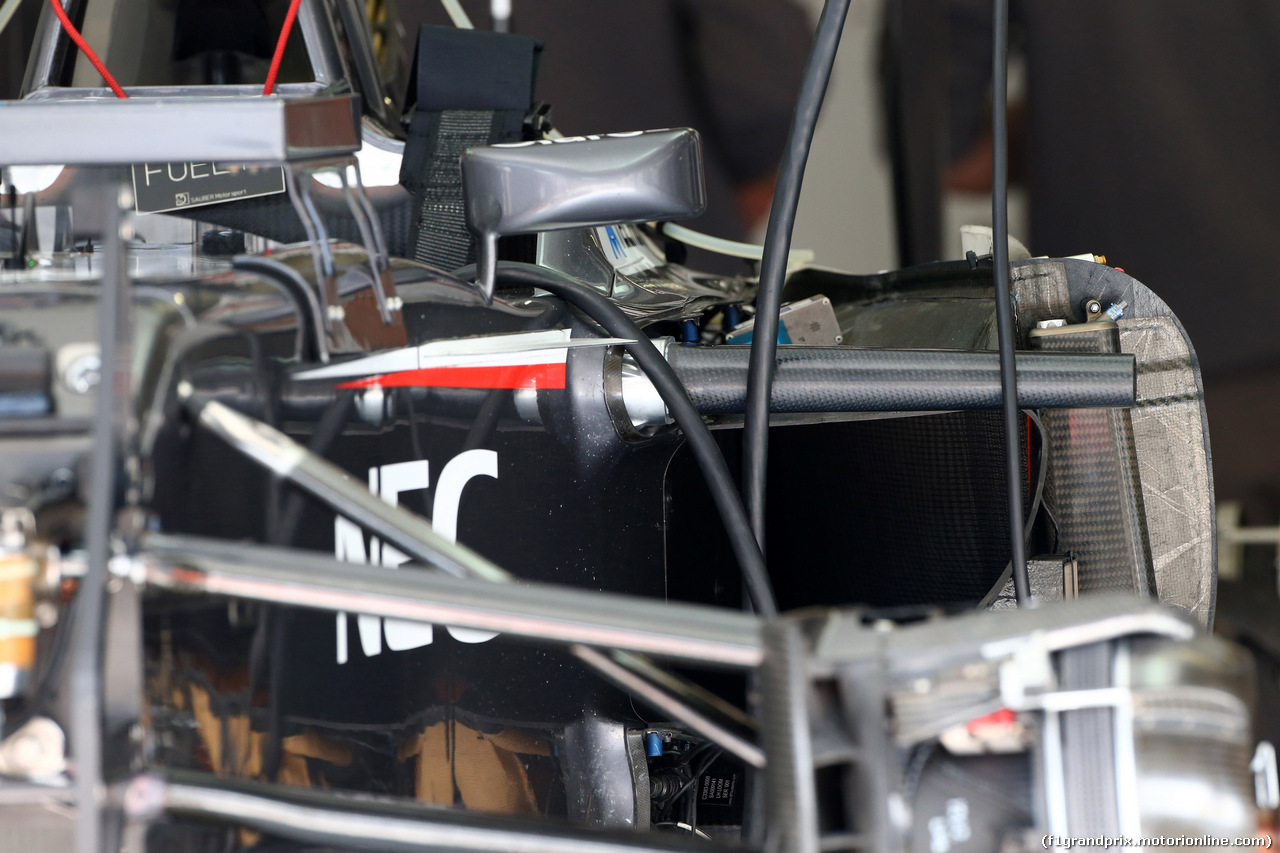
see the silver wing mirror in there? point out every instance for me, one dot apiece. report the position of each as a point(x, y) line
point(578, 182)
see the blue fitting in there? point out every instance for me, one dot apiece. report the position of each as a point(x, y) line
point(690, 332)
point(653, 744)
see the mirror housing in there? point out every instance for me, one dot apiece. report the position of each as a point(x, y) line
point(579, 182)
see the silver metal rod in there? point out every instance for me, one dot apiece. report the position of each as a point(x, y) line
point(332, 819)
point(86, 654)
point(410, 533)
point(663, 701)
point(686, 691)
point(707, 635)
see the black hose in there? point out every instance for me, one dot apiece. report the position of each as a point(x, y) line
point(773, 266)
point(601, 309)
point(1037, 503)
point(312, 339)
point(1004, 300)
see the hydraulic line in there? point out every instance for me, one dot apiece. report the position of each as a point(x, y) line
point(1005, 322)
point(777, 250)
point(796, 258)
point(601, 309)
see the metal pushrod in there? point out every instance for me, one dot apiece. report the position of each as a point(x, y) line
point(676, 631)
point(410, 533)
point(375, 824)
point(628, 679)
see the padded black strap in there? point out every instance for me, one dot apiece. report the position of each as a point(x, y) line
point(469, 88)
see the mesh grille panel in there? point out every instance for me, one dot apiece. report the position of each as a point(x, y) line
point(899, 511)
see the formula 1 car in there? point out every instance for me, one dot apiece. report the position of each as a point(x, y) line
point(365, 487)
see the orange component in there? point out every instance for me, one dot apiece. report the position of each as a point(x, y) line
point(18, 627)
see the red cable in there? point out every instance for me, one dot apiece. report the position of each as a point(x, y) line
point(270, 85)
point(1028, 453)
point(85, 49)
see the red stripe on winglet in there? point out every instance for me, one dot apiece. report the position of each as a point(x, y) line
point(510, 376)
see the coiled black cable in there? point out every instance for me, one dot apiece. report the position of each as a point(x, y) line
point(723, 491)
point(773, 265)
